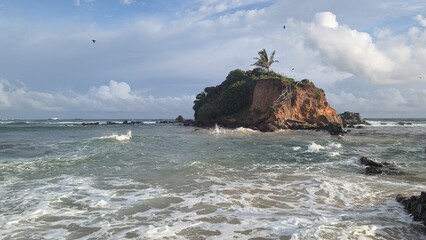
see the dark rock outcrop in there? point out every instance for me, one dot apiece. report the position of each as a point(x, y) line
point(373, 167)
point(350, 119)
point(188, 122)
point(335, 129)
point(278, 104)
point(266, 102)
point(415, 205)
point(179, 119)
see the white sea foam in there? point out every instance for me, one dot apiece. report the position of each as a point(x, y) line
point(272, 204)
point(124, 137)
point(245, 130)
point(333, 154)
point(332, 149)
point(241, 130)
point(313, 147)
point(218, 130)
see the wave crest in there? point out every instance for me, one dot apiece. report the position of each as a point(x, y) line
point(124, 137)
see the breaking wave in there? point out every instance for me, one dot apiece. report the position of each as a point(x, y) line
point(124, 137)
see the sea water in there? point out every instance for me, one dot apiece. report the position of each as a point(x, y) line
point(62, 180)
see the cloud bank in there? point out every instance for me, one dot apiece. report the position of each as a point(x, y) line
point(393, 59)
point(117, 97)
point(169, 55)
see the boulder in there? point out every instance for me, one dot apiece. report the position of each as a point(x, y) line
point(374, 168)
point(351, 118)
point(335, 128)
point(415, 205)
point(179, 119)
point(267, 127)
point(188, 122)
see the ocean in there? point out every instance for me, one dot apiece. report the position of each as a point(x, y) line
point(62, 180)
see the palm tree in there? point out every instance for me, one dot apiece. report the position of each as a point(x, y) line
point(263, 61)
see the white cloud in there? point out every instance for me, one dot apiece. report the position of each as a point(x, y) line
point(116, 91)
point(347, 49)
point(326, 19)
point(179, 55)
point(126, 2)
point(383, 102)
point(421, 20)
point(78, 2)
point(116, 97)
point(391, 59)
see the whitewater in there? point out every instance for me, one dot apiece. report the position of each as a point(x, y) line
point(62, 180)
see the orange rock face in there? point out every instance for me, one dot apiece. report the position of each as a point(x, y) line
point(276, 101)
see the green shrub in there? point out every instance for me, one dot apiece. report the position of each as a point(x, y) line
point(233, 95)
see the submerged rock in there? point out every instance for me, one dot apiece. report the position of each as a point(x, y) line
point(374, 167)
point(415, 205)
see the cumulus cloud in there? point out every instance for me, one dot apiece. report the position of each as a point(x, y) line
point(421, 20)
point(116, 97)
point(385, 102)
point(116, 91)
point(392, 59)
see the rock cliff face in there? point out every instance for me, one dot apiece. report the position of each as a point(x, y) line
point(291, 105)
point(267, 103)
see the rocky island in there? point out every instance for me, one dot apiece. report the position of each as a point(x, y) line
point(266, 103)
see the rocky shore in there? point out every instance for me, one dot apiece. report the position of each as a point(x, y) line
point(267, 104)
point(415, 205)
point(178, 120)
point(374, 167)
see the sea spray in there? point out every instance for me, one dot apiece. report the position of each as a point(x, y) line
point(124, 137)
point(60, 182)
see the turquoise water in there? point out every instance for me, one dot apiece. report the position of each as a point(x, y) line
point(60, 180)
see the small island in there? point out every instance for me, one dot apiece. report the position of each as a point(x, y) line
point(265, 100)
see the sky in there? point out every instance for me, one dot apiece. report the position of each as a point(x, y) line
point(152, 57)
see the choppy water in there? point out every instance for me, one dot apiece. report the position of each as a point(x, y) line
point(165, 181)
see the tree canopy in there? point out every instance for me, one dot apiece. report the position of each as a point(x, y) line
point(263, 61)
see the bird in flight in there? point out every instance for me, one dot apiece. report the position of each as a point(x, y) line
point(94, 40)
point(284, 26)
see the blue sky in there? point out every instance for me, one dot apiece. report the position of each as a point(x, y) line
point(151, 57)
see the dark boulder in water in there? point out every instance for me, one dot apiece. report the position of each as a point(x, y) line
point(374, 167)
point(415, 205)
point(179, 119)
point(351, 118)
point(335, 129)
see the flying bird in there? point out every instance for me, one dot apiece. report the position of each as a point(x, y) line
point(284, 26)
point(93, 40)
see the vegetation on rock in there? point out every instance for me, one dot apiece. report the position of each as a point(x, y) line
point(264, 100)
point(230, 97)
point(264, 62)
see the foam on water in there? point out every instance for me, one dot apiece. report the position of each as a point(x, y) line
point(222, 131)
point(290, 186)
point(124, 137)
point(313, 147)
point(217, 130)
point(281, 203)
